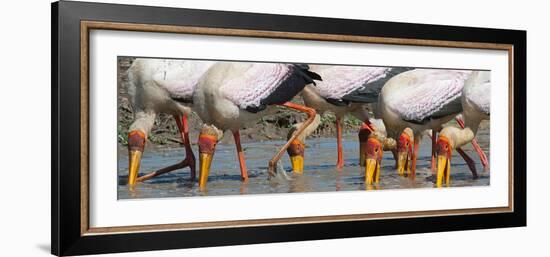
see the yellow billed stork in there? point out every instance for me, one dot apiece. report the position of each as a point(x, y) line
point(344, 90)
point(420, 99)
point(476, 102)
point(161, 86)
point(232, 94)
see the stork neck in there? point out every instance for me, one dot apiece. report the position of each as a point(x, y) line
point(463, 137)
point(307, 131)
point(143, 121)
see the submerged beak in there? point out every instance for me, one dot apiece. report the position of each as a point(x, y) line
point(135, 160)
point(402, 163)
point(205, 160)
point(296, 153)
point(372, 171)
point(297, 164)
point(443, 170)
point(136, 145)
point(207, 146)
point(364, 132)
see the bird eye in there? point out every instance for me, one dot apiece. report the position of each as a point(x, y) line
point(376, 150)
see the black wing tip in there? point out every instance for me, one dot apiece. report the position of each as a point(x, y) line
point(309, 75)
point(256, 109)
point(182, 100)
point(337, 102)
point(419, 122)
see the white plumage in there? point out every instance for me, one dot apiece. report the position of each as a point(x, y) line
point(477, 92)
point(161, 86)
point(420, 99)
point(344, 90)
point(232, 94)
point(476, 104)
point(338, 81)
point(154, 81)
point(257, 82)
point(418, 95)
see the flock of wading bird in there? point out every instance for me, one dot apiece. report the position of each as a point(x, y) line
point(406, 102)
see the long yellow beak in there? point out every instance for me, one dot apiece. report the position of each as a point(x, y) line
point(297, 164)
point(443, 170)
point(402, 163)
point(372, 169)
point(362, 154)
point(205, 160)
point(135, 160)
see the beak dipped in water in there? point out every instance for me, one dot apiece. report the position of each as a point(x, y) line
point(404, 153)
point(443, 170)
point(402, 163)
point(443, 149)
point(207, 146)
point(373, 157)
point(135, 160)
point(136, 144)
point(205, 160)
point(296, 153)
point(364, 132)
point(371, 168)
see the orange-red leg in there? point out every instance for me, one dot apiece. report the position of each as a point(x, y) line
point(310, 117)
point(240, 155)
point(340, 162)
point(477, 148)
point(469, 161)
point(189, 160)
point(415, 155)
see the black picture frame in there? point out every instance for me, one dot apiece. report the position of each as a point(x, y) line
point(66, 233)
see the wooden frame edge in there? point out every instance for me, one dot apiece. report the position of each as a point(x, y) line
point(86, 26)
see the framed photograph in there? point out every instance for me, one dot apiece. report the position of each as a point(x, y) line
point(179, 128)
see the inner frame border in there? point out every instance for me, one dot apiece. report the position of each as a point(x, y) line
point(87, 25)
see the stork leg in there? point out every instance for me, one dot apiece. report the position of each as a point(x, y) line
point(340, 162)
point(469, 161)
point(434, 145)
point(415, 155)
point(240, 155)
point(394, 152)
point(189, 160)
point(310, 117)
point(477, 148)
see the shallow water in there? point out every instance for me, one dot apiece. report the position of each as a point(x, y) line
point(320, 174)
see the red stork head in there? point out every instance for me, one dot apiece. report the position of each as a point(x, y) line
point(364, 133)
point(136, 144)
point(373, 159)
point(444, 150)
point(208, 138)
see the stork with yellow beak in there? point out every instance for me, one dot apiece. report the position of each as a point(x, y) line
point(374, 142)
point(377, 142)
point(161, 86)
point(345, 90)
point(233, 94)
point(476, 102)
point(419, 100)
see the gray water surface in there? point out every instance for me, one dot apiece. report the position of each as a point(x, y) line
point(320, 173)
